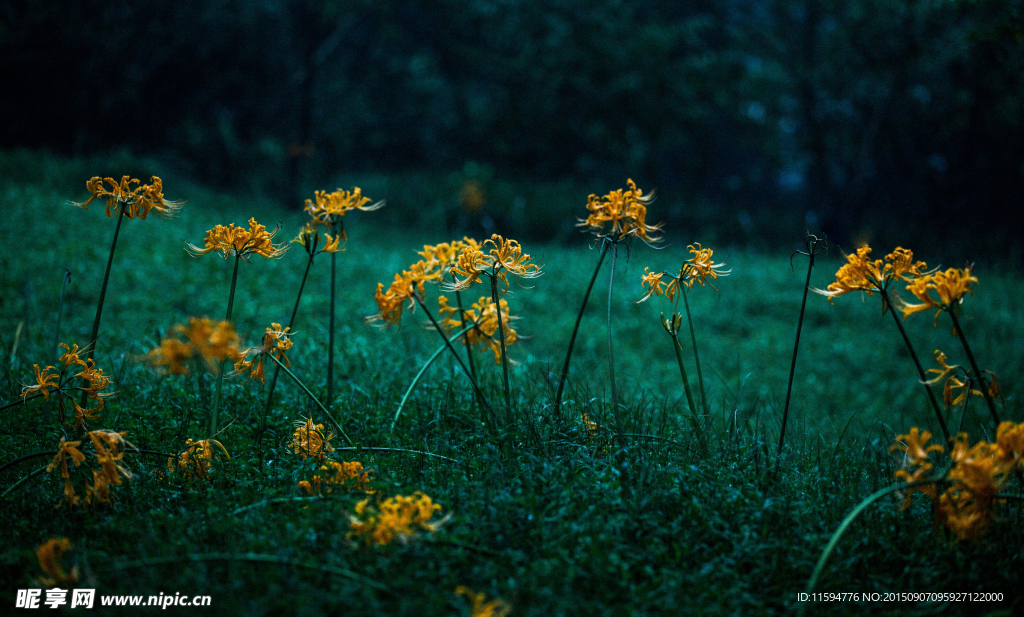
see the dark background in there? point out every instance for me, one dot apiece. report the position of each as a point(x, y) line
point(894, 122)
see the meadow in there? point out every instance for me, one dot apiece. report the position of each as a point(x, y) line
point(563, 513)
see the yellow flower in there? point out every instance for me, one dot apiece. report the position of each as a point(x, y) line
point(1010, 439)
point(860, 273)
point(397, 517)
point(494, 608)
point(961, 384)
point(950, 286)
point(241, 242)
point(625, 211)
point(137, 202)
point(967, 517)
point(275, 341)
point(506, 257)
point(590, 426)
point(406, 283)
point(45, 383)
point(913, 445)
point(308, 440)
point(328, 208)
point(64, 450)
point(439, 258)
point(484, 319)
point(700, 267)
point(196, 459)
point(49, 555)
point(171, 353)
point(338, 475)
point(309, 238)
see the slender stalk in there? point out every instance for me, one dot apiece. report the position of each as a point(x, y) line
point(60, 311)
point(796, 348)
point(696, 356)
point(576, 328)
point(312, 398)
point(611, 354)
point(291, 324)
point(974, 366)
point(21, 401)
point(504, 356)
point(465, 338)
point(330, 340)
point(423, 370)
point(223, 363)
point(14, 486)
point(448, 344)
point(103, 293)
point(689, 396)
point(917, 363)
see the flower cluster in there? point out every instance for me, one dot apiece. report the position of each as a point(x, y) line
point(275, 341)
point(483, 318)
point(625, 211)
point(50, 554)
point(308, 440)
point(977, 475)
point(328, 208)
point(106, 448)
point(481, 608)
point(697, 269)
point(506, 257)
point(49, 381)
point(860, 273)
point(211, 341)
point(309, 238)
point(196, 460)
point(240, 242)
point(397, 517)
point(137, 202)
point(348, 476)
point(958, 386)
point(950, 286)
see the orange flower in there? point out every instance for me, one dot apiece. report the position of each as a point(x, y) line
point(625, 211)
point(241, 242)
point(275, 342)
point(860, 273)
point(505, 258)
point(137, 202)
point(328, 208)
point(950, 286)
point(49, 555)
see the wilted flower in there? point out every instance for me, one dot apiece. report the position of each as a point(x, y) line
point(49, 555)
point(240, 242)
point(396, 517)
point(625, 211)
point(64, 450)
point(137, 202)
point(958, 383)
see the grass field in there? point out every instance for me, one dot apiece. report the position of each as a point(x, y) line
point(556, 520)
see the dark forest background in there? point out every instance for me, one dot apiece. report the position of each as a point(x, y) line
point(892, 121)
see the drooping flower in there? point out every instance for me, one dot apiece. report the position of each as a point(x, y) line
point(390, 302)
point(240, 242)
point(481, 608)
point(196, 460)
point(625, 211)
point(276, 341)
point(348, 476)
point(962, 383)
point(950, 287)
point(308, 440)
point(50, 554)
point(397, 517)
point(137, 202)
point(64, 450)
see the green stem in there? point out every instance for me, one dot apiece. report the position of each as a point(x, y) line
point(223, 363)
point(330, 339)
point(448, 344)
point(576, 328)
point(917, 363)
point(846, 524)
point(416, 380)
point(469, 349)
point(974, 366)
point(689, 396)
point(122, 207)
point(23, 481)
point(504, 356)
point(60, 311)
point(696, 356)
point(796, 348)
point(27, 457)
point(291, 324)
point(312, 398)
point(21, 402)
point(611, 356)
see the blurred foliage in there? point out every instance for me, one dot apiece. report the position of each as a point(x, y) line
point(826, 113)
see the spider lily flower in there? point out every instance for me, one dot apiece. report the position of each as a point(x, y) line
point(484, 319)
point(348, 475)
point(397, 517)
point(309, 238)
point(45, 383)
point(275, 341)
point(961, 384)
point(48, 381)
point(860, 273)
point(1010, 439)
point(406, 283)
point(137, 202)
point(698, 269)
point(195, 461)
point(328, 208)
point(240, 242)
point(204, 339)
point(308, 440)
point(495, 608)
point(625, 211)
point(950, 286)
point(506, 257)
point(439, 258)
point(64, 450)
point(50, 554)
